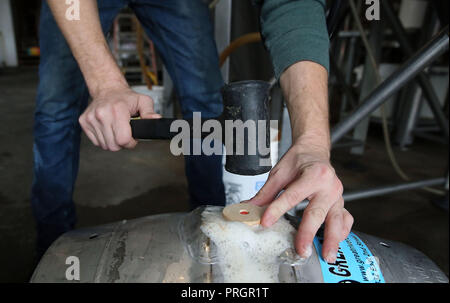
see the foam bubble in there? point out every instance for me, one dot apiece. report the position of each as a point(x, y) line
point(247, 253)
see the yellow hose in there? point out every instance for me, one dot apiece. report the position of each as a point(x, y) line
point(242, 40)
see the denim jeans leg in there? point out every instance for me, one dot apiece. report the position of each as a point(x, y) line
point(183, 35)
point(62, 97)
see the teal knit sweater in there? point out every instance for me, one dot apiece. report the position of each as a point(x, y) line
point(294, 30)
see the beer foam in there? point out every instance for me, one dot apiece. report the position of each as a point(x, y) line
point(247, 253)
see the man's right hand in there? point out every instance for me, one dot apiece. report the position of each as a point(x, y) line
point(106, 121)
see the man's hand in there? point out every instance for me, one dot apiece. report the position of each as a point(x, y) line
point(106, 121)
point(305, 172)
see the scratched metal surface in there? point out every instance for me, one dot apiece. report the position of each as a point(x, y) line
point(149, 250)
point(401, 263)
point(140, 250)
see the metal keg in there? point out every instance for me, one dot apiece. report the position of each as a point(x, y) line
point(151, 249)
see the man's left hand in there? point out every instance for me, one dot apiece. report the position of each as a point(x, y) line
point(305, 172)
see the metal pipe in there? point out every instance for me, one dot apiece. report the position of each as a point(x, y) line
point(348, 70)
point(437, 46)
point(430, 94)
point(379, 191)
point(349, 34)
point(348, 143)
point(431, 137)
point(341, 80)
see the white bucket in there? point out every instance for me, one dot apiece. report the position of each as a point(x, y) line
point(156, 93)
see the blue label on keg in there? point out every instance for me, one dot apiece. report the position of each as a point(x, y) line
point(354, 263)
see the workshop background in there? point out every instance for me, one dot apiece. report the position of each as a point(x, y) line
point(150, 180)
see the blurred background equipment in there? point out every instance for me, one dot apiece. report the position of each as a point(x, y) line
point(8, 50)
point(385, 157)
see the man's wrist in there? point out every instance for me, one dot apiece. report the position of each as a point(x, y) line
point(101, 72)
point(110, 83)
point(104, 80)
point(318, 142)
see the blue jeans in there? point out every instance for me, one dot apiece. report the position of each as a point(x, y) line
point(183, 35)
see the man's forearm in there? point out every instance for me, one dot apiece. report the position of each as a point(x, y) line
point(305, 89)
point(305, 171)
point(296, 36)
point(88, 45)
point(106, 121)
point(295, 33)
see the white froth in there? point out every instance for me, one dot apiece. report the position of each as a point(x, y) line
point(247, 253)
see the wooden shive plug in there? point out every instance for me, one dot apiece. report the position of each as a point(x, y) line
point(245, 212)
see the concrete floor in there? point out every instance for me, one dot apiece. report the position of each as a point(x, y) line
point(149, 180)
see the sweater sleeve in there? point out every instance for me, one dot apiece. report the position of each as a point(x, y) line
point(293, 31)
